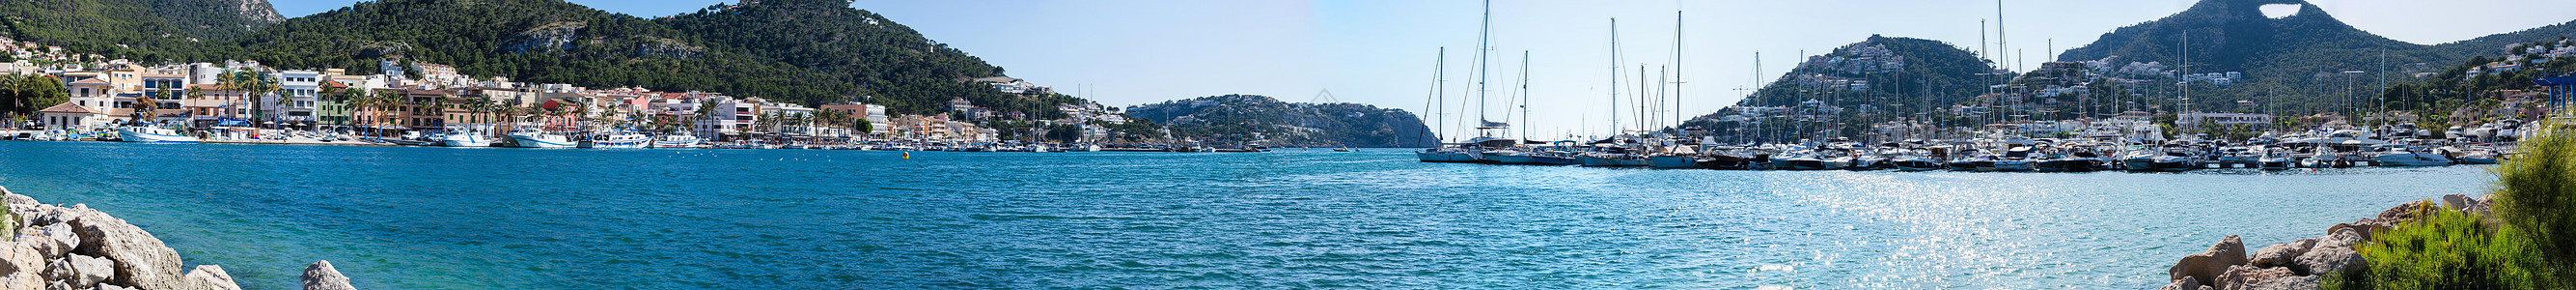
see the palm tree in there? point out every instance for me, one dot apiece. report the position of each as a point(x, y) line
point(253, 84)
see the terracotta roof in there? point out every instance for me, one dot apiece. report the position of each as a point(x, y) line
point(68, 107)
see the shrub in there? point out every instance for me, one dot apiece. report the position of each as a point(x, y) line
point(2447, 249)
point(2536, 190)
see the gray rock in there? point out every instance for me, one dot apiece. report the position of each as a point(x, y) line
point(2327, 260)
point(141, 260)
point(2287, 283)
point(2341, 238)
point(321, 276)
point(22, 280)
point(58, 240)
point(14, 198)
point(2281, 254)
point(59, 285)
point(2238, 277)
point(112, 287)
point(2184, 283)
point(2211, 263)
point(22, 256)
point(210, 277)
point(87, 270)
point(58, 269)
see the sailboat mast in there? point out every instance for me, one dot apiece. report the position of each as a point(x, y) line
point(1483, 46)
point(1439, 89)
point(1677, 73)
point(1614, 77)
point(1523, 94)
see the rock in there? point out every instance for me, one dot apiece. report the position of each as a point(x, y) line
point(24, 280)
point(321, 276)
point(2184, 283)
point(2403, 212)
point(58, 269)
point(2281, 254)
point(210, 277)
point(2211, 263)
point(2325, 260)
point(2238, 277)
point(112, 287)
point(87, 270)
point(56, 240)
point(59, 285)
point(141, 260)
point(2288, 283)
point(2340, 238)
point(14, 198)
point(22, 256)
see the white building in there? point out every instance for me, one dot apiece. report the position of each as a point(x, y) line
point(298, 93)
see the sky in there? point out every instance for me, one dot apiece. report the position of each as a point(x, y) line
point(1384, 53)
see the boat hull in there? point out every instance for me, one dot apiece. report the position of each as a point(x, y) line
point(1598, 161)
point(138, 136)
point(1672, 162)
point(2410, 160)
point(541, 142)
point(1445, 157)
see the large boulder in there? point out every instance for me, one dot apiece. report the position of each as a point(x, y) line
point(2281, 254)
point(2207, 265)
point(60, 238)
point(321, 276)
point(141, 260)
point(2325, 260)
point(2239, 277)
point(210, 277)
point(87, 270)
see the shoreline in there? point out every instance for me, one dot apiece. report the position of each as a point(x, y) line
point(77, 247)
point(2301, 263)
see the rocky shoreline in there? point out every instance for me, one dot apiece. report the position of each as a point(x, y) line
point(75, 248)
point(2302, 263)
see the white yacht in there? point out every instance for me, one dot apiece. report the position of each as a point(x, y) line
point(536, 138)
point(619, 139)
point(683, 140)
point(2405, 156)
point(147, 133)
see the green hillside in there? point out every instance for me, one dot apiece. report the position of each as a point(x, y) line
point(136, 29)
point(1254, 118)
point(2305, 63)
point(1894, 77)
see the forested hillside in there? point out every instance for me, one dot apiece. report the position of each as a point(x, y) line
point(1254, 118)
point(137, 29)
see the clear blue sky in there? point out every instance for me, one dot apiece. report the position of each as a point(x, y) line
point(1128, 52)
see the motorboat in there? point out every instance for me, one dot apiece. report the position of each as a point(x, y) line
point(147, 133)
point(536, 138)
point(682, 140)
point(619, 139)
point(465, 138)
point(2406, 156)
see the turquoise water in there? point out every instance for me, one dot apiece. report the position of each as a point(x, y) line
point(473, 218)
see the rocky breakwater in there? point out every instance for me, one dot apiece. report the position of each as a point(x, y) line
point(2302, 263)
point(74, 247)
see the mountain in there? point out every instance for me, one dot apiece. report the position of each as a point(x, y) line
point(890, 63)
point(1281, 124)
point(1903, 75)
point(139, 29)
point(2293, 64)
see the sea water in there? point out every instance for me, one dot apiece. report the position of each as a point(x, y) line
point(481, 218)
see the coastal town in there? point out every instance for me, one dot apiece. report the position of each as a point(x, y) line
point(429, 104)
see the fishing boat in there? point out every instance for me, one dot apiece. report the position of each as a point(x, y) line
point(537, 138)
point(147, 133)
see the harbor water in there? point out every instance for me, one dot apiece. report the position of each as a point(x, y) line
point(482, 218)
